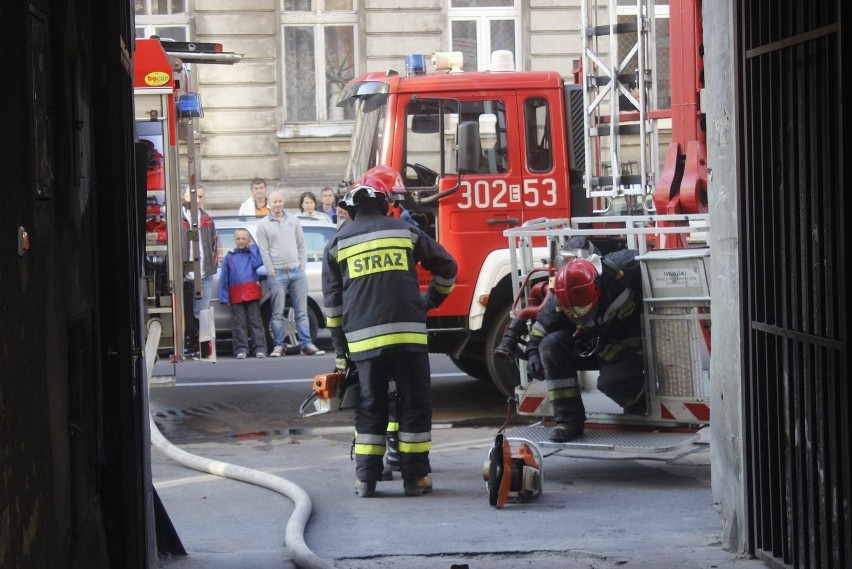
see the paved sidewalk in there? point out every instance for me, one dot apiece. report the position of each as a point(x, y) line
point(592, 514)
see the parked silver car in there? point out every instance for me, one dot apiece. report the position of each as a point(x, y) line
point(317, 233)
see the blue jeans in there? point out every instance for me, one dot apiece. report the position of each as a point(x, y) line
point(203, 303)
point(296, 284)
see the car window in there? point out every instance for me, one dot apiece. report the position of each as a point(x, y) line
point(226, 242)
point(226, 239)
point(315, 239)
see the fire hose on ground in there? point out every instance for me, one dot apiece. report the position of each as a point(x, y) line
point(294, 539)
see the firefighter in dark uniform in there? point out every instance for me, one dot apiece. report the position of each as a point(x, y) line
point(591, 321)
point(377, 318)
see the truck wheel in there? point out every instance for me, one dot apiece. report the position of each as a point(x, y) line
point(504, 374)
point(475, 368)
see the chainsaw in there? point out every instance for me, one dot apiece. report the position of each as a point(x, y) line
point(336, 391)
point(512, 475)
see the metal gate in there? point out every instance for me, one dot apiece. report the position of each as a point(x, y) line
point(794, 258)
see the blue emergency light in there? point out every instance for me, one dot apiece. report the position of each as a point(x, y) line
point(189, 106)
point(415, 64)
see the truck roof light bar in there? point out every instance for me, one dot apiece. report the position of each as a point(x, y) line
point(415, 64)
point(502, 60)
point(450, 61)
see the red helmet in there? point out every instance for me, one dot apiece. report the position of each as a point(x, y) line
point(576, 287)
point(380, 182)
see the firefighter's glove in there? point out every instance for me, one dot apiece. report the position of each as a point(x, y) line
point(426, 298)
point(341, 363)
point(534, 368)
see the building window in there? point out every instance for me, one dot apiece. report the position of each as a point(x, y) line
point(480, 27)
point(320, 57)
point(167, 19)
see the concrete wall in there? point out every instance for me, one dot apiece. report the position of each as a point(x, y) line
point(238, 140)
point(554, 40)
point(725, 363)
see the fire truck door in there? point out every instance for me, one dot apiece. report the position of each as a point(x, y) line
point(543, 190)
point(489, 198)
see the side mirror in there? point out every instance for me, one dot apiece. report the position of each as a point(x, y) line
point(470, 146)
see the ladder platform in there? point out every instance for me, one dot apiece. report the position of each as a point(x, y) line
point(615, 443)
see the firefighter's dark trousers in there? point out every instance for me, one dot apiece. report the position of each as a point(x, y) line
point(621, 370)
point(411, 372)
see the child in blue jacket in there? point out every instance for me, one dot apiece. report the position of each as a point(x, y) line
point(239, 286)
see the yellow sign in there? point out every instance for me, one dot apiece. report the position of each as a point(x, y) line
point(156, 78)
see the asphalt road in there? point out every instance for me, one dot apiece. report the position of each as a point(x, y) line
point(593, 513)
point(251, 397)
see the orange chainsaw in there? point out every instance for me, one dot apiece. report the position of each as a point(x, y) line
point(336, 391)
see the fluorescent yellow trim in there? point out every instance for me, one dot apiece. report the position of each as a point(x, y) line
point(388, 340)
point(412, 448)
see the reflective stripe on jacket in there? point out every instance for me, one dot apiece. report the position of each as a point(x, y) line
point(370, 285)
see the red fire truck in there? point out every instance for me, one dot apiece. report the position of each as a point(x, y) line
point(165, 108)
point(488, 151)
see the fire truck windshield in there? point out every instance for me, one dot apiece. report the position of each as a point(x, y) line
point(369, 102)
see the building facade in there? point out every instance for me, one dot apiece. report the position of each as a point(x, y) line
point(273, 115)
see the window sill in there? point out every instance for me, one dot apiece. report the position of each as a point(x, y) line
point(315, 130)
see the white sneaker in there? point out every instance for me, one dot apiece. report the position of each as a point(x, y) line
point(260, 354)
point(241, 356)
point(311, 350)
point(277, 352)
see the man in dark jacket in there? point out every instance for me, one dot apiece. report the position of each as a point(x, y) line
point(591, 321)
point(377, 318)
point(199, 245)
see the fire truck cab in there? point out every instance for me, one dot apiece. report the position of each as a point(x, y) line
point(498, 153)
point(480, 153)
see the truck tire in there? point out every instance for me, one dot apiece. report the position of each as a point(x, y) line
point(472, 366)
point(504, 374)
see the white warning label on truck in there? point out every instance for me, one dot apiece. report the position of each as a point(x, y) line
point(676, 280)
point(675, 277)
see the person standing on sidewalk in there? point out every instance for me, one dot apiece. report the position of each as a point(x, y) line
point(328, 203)
point(256, 204)
point(199, 242)
point(377, 318)
point(282, 246)
point(239, 286)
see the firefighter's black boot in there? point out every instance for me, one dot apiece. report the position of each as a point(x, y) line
point(570, 417)
point(508, 349)
point(391, 440)
point(639, 405)
point(391, 455)
point(365, 488)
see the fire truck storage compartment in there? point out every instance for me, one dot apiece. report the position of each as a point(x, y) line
point(677, 308)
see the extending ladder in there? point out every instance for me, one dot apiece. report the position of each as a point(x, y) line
point(620, 130)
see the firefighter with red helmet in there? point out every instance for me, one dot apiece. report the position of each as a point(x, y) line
point(593, 320)
point(377, 318)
